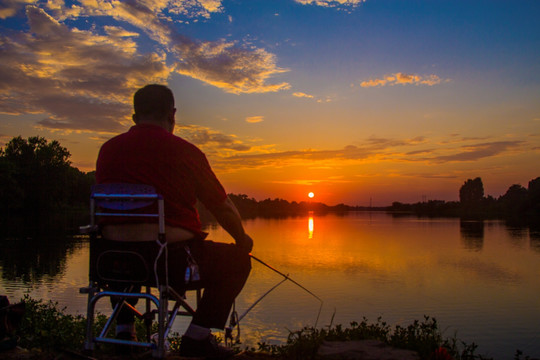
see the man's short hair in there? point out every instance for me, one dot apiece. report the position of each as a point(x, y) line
point(153, 100)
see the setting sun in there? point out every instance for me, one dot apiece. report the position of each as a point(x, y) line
point(311, 195)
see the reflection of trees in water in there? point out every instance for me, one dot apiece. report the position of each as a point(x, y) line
point(472, 234)
point(522, 229)
point(33, 249)
point(534, 234)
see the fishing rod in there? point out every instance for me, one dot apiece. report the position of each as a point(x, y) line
point(235, 319)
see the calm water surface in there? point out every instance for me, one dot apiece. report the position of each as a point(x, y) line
point(478, 279)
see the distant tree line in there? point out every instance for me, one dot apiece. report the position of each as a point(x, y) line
point(249, 207)
point(518, 201)
point(36, 177)
point(277, 208)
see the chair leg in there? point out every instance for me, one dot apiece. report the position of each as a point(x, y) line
point(165, 318)
point(163, 310)
point(147, 319)
point(89, 342)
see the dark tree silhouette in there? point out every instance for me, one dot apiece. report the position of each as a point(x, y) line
point(37, 176)
point(471, 194)
point(516, 199)
point(534, 194)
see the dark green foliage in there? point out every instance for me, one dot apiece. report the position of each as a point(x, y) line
point(471, 192)
point(534, 194)
point(47, 328)
point(423, 337)
point(516, 199)
point(36, 176)
point(517, 203)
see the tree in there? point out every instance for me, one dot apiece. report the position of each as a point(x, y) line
point(515, 200)
point(40, 169)
point(471, 193)
point(534, 194)
point(10, 191)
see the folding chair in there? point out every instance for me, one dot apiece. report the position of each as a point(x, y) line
point(130, 266)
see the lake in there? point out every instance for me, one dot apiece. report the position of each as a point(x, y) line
point(479, 279)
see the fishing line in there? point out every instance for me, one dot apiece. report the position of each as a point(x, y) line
point(235, 319)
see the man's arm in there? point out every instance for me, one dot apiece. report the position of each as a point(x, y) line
point(229, 218)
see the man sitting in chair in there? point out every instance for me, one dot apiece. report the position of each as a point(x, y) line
point(150, 154)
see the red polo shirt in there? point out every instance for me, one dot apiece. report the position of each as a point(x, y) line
point(148, 154)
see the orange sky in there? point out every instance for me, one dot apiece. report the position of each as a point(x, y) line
point(357, 101)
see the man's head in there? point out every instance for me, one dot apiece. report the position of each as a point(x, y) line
point(154, 104)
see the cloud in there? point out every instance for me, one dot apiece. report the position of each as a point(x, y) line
point(9, 8)
point(303, 95)
point(83, 80)
point(332, 3)
point(478, 151)
point(254, 119)
point(309, 182)
point(219, 63)
point(371, 150)
point(119, 32)
point(226, 66)
point(194, 8)
point(433, 176)
point(211, 141)
point(403, 79)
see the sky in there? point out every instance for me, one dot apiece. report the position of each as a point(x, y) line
point(358, 101)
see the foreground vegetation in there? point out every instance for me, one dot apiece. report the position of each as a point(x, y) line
point(47, 331)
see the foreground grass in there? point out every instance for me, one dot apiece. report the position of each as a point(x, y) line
point(46, 330)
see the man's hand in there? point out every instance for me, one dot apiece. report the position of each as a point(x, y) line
point(246, 243)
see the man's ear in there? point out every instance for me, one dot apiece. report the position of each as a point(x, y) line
point(134, 117)
point(172, 115)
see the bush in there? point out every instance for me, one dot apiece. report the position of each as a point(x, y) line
point(47, 328)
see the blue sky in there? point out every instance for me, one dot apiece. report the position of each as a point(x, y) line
point(383, 99)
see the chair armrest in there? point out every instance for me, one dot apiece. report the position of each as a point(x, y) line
point(87, 229)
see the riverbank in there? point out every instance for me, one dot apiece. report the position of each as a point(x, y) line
point(45, 332)
point(343, 350)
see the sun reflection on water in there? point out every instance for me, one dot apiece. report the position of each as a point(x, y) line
point(310, 225)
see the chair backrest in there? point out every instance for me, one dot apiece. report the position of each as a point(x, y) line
point(119, 261)
point(120, 199)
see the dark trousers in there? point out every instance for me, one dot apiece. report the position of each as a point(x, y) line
point(223, 270)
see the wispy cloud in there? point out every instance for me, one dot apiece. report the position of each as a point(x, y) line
point(213, 142)
point(254, 119)
point(402, 79)
point(373, 149)
point(332, 3)
point(309, 182)
point(192, 9)
point(226, 66)
point(318, 99)
point(223, 64)
point(9, 8)
point(119, 32)
point(84, 79)
point(302, 95)
point(478, 151)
